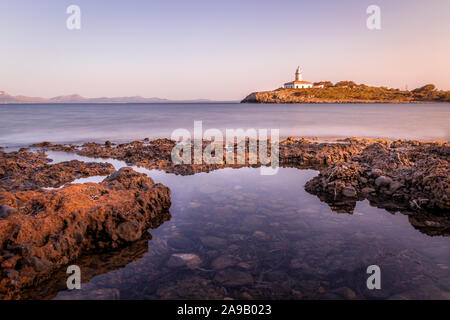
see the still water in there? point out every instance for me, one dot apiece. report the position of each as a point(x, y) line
point(264, 237)
point(71, 123)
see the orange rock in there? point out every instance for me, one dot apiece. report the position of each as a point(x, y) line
point(54, 227)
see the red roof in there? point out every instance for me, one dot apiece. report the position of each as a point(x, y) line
point(299, 82)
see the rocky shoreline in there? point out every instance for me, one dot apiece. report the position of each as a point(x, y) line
point(410, 175)
point(42, 230)
point(277, 98)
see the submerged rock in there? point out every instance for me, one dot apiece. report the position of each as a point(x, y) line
point(97, 294)
point(188, 260)
point(223, 262)
point(345, 292)
point(234, 278)
point(213, 242)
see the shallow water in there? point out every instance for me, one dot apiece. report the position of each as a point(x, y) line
point(21, 125)
point(265, 237)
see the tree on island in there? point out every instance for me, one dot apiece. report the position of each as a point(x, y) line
point(426, 88)
point(326, 84)
point(348, 84)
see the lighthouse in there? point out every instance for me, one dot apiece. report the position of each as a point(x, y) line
point(298, 83)
point(298, 74)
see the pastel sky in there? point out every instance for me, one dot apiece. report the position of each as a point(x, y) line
point(218, 49)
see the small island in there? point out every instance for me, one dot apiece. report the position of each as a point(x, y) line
point(299, 91)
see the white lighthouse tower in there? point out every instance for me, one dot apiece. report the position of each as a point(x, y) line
point(298, 74)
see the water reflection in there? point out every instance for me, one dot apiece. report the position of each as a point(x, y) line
point(91, 266)
point(235, 233)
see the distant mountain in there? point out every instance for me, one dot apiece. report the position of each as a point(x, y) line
point(5, 98)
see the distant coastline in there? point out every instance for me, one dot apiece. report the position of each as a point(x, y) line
point(349, 92)
point(6, 98)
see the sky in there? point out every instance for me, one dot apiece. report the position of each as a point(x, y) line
point(218, 49)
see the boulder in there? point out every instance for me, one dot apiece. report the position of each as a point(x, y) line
point(234, 278)
point(5, 211)
point(383, 181)
point(349, 192)
point(53, 227)
point(188, 260)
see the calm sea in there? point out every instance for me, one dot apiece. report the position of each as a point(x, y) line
point(24, 124)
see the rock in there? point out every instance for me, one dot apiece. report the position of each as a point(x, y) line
point(382, 181)
point(237, 237)
point(98, 294)
point(368, 190)
point(276, 276)
point(38, 264)
point(297, 294)
point(129, 231)
point(25, 170)
point(244, 266)
point(194, 204)
point(432, 224)
point(349, 192)
point(5, 211)
point(404, 172)
point(298, 264)
point(253, 221)
point(223, 262)
point(234, 278)
point(9, 263)
point(422, 292)
point(375, 173)
point(260, 235)
point(233, 248)
point(180, 243)
point(12, 274)
point(191, 287)
point(330, 296)
point(188, 260)
point(246, 296)
point(213, 242)
point(53, 227)
point(345, 292)
point(394, 186)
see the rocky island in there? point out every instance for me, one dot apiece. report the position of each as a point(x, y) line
point(348, 92)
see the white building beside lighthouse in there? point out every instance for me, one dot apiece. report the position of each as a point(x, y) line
point(298, 82)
